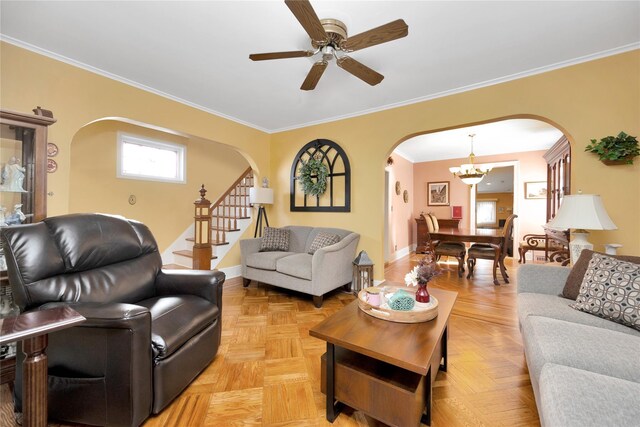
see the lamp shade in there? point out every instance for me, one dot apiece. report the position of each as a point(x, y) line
point(261, 196)
point(582, 211)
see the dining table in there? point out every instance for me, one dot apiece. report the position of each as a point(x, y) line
point(476, 235)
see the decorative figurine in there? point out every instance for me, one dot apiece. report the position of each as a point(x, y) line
point(16, 217)
point(17, 211)
point(13, 176)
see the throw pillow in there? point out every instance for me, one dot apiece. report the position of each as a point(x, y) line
point(275, 239)
point(321, 240)
point(611, 290)
point(574, 280)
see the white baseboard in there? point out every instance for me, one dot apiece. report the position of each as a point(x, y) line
point(231, 272)
point(402, 253)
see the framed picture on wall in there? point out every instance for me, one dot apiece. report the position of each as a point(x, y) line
point(535, 190)
point(438, 193)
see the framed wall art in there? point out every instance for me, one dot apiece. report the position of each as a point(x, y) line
point(535, 190)
point(438, 193)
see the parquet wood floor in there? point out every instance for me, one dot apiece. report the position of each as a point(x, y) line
point(267, 372)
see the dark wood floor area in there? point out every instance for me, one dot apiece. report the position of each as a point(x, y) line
point(267, 372)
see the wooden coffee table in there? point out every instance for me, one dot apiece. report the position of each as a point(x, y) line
point(383, 368)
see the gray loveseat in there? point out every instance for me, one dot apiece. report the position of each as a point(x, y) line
point(585, 370)
point(327, 269)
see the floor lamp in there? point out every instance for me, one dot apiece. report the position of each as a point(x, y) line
point(260, 196)
point(581, 212)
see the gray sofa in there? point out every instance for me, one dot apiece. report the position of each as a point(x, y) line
point(585, 371)
point(327, 269)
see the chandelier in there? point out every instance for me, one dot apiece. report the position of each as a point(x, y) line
point(471, 173)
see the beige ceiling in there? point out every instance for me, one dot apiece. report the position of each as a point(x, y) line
point(197, 52)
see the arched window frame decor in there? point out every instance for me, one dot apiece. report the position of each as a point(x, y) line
point(329, 153)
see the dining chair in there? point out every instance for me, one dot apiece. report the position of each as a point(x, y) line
point(492, 251)
point(457, 250)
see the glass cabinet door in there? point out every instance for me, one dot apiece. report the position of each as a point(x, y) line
point(17, 174)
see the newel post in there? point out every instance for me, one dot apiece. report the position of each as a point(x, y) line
point(202, 245)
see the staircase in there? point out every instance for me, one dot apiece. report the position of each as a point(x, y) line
point(230, 217)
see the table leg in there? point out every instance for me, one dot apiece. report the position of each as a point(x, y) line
point(333, 407)
point(445, 339)
point(426, 416)
point(34, 382)
point(496, 264)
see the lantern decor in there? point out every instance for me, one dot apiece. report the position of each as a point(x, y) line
point(362, 272)
point(202, 246)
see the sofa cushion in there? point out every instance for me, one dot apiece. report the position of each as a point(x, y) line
point(265, 260)
point(556, 307)
point(321, 240)
point(175, 320)
point(574, 280)
point(274, 239)
point(572, 397)
point(297, 265)
point(611, 290)
point(580, 346)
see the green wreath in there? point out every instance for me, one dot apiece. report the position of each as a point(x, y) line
point(313, 169)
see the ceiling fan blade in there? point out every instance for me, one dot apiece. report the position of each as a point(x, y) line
point(360, 70)
point(280, 55)
point(382, 34)
point(304, 13)
point(314, 75)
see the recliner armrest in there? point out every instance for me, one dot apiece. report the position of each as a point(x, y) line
point(108, 315)
point(205, 284)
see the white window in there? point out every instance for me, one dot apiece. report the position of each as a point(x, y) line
point(486, 212)
point(147, 159)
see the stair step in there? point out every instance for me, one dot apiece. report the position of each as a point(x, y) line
point(189, 254)
point(192, 239)
point(213, 227)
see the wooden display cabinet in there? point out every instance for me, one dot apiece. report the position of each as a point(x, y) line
point(23, 181)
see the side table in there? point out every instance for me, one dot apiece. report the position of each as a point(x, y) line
point(33, 328)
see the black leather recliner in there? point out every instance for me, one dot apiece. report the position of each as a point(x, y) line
point(149, 332)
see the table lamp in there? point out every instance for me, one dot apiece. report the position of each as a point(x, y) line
point(581, 212)
point(261, 196)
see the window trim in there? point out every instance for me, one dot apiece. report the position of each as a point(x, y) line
point(180, 149)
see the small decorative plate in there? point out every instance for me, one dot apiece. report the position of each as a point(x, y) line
point(52, 166)
point(52, 149)
point(398, 188)
point(405, 196)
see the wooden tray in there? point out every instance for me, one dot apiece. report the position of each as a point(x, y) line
point(421, 312)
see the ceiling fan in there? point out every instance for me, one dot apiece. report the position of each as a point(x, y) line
point(328, 37)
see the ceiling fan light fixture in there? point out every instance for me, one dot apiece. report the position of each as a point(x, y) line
point(329, 36)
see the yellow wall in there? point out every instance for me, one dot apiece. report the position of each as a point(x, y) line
point(588, 100)
point(78, 97)
point(167, 208)
point(585, 101)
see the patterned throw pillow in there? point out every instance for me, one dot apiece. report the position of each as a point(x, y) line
point(611, 290)
point(275, 239)
point(321, 240)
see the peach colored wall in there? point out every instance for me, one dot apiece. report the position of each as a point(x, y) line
point(531, 213)
point(401, 232)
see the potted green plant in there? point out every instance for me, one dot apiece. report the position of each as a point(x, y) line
point(615, 150)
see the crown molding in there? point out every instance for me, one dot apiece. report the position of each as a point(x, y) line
point(511, 77)
point(103, 73)
point(491, 82)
